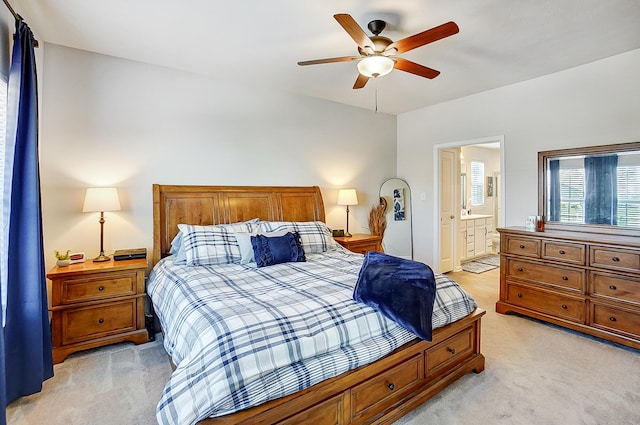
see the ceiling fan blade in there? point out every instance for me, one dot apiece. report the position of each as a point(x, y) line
point(329, 60)
point(414, 68)
point(425, 37)
point(351, 26)
point(360, 81)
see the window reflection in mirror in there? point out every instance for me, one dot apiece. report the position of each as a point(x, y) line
point(596, 186)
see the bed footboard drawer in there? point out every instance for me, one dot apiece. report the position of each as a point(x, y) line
point(328, 412)
point(387, 388)
point(449, 352)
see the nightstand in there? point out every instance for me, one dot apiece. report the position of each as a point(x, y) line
point(360, 243)
point(96, 304)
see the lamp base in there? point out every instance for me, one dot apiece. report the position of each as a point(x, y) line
point(347, 235)
point(100, 258)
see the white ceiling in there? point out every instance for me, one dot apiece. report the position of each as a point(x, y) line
point(259, 42)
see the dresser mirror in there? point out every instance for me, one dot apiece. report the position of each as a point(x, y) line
point(397, 239)
point(592, 189)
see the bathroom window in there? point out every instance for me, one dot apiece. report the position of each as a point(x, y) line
point(477, 183)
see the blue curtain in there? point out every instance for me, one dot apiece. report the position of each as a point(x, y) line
point(554, 198)
point(601, 189)
point(27, 336)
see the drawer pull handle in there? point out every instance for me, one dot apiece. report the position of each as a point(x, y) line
point(615, 259)
point(451, 350)
point(520, 269)
point(521, 246)
point(612, 319)
point(101, 320)
point(519, 294)
point(612, 287)
point(561, 252)
point(391, 387)
point(565, 278)
point(100, 288)
point(564, 306)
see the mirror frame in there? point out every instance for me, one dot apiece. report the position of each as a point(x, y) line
point(543, 157)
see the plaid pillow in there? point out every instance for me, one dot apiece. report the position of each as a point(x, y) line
point(314, 235)
point(211, 245)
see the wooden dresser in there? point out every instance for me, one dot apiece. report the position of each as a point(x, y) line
point(582, 281)
point(95, 304)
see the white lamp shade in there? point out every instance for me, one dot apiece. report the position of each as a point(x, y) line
point(347, 197)
point(101, 199)
point(375, 66)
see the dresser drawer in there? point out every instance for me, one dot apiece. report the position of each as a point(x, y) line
point(449, 352)
point(565, 252)
point(84, 323)
point(617, 259)
point(546, 302)
point(522, 246)
point(387, 388)
point(564, 277)
point(97, 287)
point(615, 319)
point(618, 287)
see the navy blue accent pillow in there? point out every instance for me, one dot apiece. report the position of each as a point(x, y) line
point(402, 290)
point(277, 249)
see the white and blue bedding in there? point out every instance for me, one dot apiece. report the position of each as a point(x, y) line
point(241, 335)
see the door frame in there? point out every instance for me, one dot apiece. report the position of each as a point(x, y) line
point(436, 189)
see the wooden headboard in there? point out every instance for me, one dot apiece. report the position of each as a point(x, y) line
point(205, 205)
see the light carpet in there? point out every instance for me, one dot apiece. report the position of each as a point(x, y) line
point(481, 265)
point(535, 374)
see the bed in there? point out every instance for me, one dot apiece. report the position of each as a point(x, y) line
point(370, 381)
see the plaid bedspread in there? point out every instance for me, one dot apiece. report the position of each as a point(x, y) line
point(241, 335)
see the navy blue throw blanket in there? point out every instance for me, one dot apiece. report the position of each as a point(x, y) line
point(403, 290)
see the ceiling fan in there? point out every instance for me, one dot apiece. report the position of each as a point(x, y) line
point(377, 53)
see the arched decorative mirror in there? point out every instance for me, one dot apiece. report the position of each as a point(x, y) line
point(397, 239)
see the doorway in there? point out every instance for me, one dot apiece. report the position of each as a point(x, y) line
point(480, 199)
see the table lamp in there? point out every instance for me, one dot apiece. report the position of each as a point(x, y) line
point(101, 199)
point(347, 197)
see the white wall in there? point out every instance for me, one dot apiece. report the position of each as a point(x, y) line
point(114, 122)
point(594, 104)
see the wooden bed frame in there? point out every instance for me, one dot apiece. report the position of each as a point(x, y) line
point(378, 393)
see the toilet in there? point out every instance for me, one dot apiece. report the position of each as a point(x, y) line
point(495, 242)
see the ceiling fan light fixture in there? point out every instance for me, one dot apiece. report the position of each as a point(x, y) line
point(375, 66)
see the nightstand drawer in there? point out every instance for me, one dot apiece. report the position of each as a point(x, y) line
point(360, 243)
point(363, 248)
point(85, 323)
point(98, 287)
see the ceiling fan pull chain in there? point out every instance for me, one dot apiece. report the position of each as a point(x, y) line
point(376, 97)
